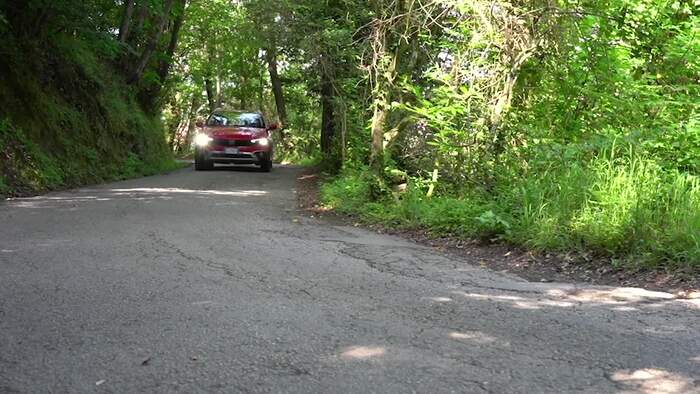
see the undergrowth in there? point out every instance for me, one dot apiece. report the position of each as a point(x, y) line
point(68, 119)
point(619, 205)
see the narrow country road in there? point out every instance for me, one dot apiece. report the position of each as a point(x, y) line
point(214, 282)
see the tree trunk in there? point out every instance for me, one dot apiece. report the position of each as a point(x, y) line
point(219, 93)
point(376, 158)
point(133, 33)
point(505, 98)
point(210, 94)
point(164, 66)
point(192, 120)
point(141, 14)
point(242, 80)
point(174, 127)
point(151, 95)
point(343, 133)
point(382, 79)
point(327, 121)
point(126, 21)
point(271, 57)
point(152, 43)
point(175, 130)
point(261, 92)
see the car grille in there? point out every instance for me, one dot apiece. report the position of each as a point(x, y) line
point(223, 142)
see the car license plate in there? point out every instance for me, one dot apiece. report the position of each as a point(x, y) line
point(231, 151)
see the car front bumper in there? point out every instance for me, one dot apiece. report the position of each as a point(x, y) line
point(240, 157)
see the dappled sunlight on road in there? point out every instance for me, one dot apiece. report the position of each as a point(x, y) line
point(145, 194)
point(363, 352)
point(611, 296)
point(621, 299)
point(516, 301)
point(472, 336)
point(653, 380)
point(440, 299)
point(44, 202)
point(237, 193)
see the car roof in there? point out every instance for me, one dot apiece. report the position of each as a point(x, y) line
point(235, 111)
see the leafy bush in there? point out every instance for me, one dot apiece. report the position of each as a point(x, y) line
point(348, 193)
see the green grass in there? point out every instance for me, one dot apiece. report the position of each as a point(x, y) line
point(352, 193)
point(619, 205)
point(312, 161)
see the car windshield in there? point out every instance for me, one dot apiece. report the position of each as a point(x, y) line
point(236, 119)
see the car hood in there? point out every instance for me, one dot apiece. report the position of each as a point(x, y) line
point(236, 133)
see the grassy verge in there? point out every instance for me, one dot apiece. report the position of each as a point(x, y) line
point(619, 206)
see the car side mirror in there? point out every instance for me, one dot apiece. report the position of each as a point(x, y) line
point(199, 123)
point(273, 126)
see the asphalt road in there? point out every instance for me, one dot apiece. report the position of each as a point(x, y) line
point(214, 282)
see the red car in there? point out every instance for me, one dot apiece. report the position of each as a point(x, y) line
point(235, 137)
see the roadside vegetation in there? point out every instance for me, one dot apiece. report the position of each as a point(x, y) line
point(556, 125)
point(75, 106)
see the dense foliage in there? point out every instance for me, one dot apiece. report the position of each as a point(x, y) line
point(78, 98)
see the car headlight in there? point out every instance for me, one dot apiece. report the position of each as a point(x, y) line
point(261, 141)
point(202, 140)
